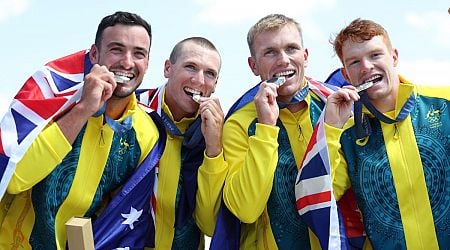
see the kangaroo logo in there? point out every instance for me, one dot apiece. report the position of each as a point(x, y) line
point(434, 115)
point(124, 146)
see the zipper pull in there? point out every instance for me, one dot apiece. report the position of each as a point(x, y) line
point(300, 137)
point(102, 139)
point(396, 132)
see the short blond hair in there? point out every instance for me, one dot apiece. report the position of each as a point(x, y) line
point(269, 23)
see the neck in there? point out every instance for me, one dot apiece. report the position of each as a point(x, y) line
point(297, 107)
point(387, 103)
point(116, 107)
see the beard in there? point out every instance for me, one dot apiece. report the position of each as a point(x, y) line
point(122, 93)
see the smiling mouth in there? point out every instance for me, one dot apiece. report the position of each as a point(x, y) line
point(122, 78)
point(195, 94)
point(286, 74)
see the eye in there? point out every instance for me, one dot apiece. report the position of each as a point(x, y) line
point(116, 50)
point(377, 55)
point(140, 54)
point(211, 75)
point(292, 50)
point(270, 52)
point(190, 67)
point(354, 62)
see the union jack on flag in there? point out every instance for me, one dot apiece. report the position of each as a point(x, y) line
point(314, 193)
point(46, 94)
point(129, 219)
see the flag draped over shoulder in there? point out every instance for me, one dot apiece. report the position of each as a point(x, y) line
point(338, 225)
point(128, 220)
point(45, 95)
point(192, 149)
point(314, 193)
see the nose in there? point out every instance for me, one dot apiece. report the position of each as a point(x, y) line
point(365, 66)
point(198, 77)
point(127, 60)
point(283, 58)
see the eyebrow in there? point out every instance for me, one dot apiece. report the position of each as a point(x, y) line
point(112, 44)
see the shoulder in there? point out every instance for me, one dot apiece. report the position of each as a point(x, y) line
point(434, 91)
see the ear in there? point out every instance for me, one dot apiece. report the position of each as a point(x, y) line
point(215, 85)
point(93, 54)
point(252, 64)
point(305, 58)
point(395, 56)
point(167, 68)
point(345, 75)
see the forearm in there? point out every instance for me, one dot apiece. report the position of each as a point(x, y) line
point(211, 177)
point(45, 153)
point(339, 173)
point(252, 164)
point(73, 121)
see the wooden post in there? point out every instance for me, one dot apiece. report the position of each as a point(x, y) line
point(79, 234)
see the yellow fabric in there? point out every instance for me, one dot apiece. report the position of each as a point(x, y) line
point(210, 179)
point(48, 150)
point(407, 171)
point(406, 167)
point(252, 162)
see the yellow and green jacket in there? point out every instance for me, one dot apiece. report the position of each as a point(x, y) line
point(400, 172)
point(55, 181)
point(263, 162)
point(211, 176)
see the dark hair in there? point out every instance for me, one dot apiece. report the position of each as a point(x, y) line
point(205, 43)
point(124, 18)
point(359, 30)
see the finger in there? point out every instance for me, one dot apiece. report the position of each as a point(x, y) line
point(271, 94)
point(351, 87)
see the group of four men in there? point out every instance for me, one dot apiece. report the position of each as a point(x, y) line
point(389, 143)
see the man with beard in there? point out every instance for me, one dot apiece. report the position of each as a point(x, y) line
point(85, 148)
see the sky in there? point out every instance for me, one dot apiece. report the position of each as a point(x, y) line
point(34, 32)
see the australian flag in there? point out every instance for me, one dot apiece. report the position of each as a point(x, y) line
point(128, 221)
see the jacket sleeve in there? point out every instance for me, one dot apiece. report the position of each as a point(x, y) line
point(339, 172)
point(45, 153)
point(252, 161)
point(211, 177)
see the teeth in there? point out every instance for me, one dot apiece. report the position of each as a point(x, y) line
point(278, 80)
point(364, 86)
point(367, 83)
point(372, 78)
point(121, 78)
point(196, 98)
point(286, 73)
point(192, 91)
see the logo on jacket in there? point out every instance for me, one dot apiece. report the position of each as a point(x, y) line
point(434, 115)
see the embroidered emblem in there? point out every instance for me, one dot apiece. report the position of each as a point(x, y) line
point(434, 115)
point(124, 146)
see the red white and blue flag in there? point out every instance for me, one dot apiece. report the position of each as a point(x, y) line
point(128, 221)
point(45, 95)
point(336, 225)
point(314, 193)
